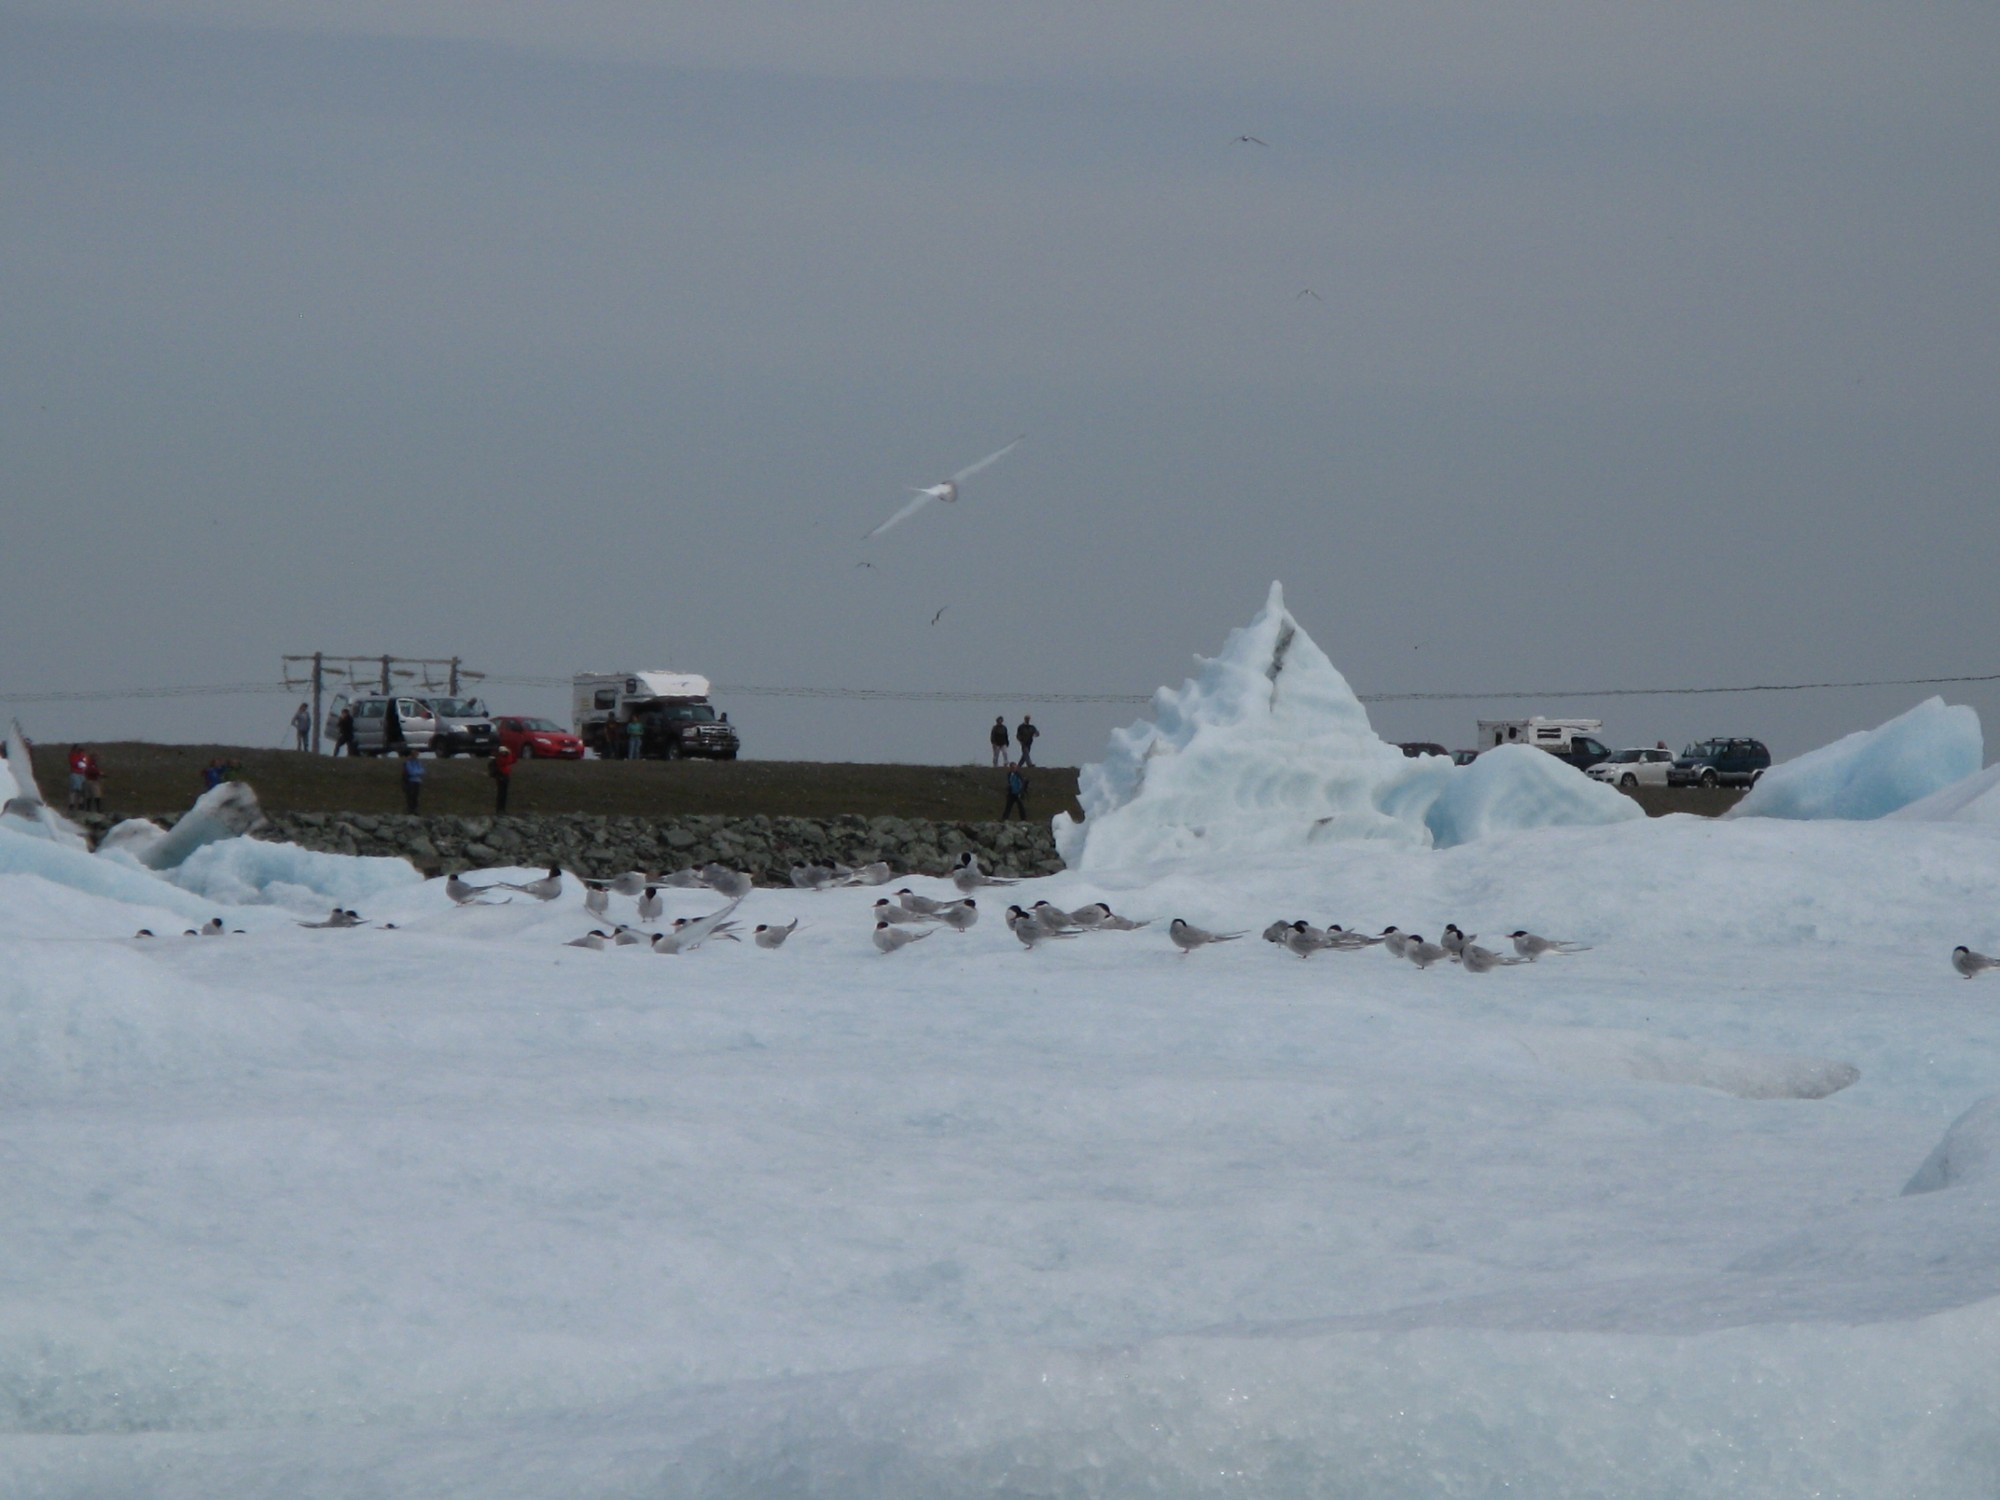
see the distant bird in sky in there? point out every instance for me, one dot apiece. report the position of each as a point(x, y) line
point(939, 615)
point(1248, 140)
point(945, 490)
point(868, 565)
point(1307, 293)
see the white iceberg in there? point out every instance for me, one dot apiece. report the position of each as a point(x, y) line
point(22, 808)
point(1971, 799)
point(250, 872)
point(1267, 749)
point(225, 811)
point(1873, 772)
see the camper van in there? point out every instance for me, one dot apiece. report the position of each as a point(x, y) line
point(672, 709)
point(1571, 740)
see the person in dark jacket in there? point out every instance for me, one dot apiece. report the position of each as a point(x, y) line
point(1017, 794)
point(997, 738)
point(501, 769)
point(343, 732)
point(1025, 736)
point(413, 779)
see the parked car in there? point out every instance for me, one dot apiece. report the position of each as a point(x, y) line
point(463, 727)
point(1720, 763)
point(1464, 757)
point(542, 739)
point(1414, 748)
point(1639, 766)
point(415, 726)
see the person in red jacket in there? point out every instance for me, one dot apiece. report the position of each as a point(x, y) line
point(93, 782)
point(78, 764)
point(501, 769)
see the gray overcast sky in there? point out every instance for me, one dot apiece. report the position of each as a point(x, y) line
point(1656, 344)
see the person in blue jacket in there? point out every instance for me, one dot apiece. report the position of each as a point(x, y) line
point(413, 779)
point(1017, 794)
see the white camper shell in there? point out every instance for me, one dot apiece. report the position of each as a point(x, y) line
point(1554, 735)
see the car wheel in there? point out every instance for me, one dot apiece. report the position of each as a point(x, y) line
point(729, 755)
point(527, 752)
point(1708, 780)
point(1628, 781)
point(447, 752)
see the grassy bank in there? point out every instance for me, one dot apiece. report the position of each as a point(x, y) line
point(161, 780)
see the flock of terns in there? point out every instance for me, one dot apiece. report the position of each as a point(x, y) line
point(911, 917)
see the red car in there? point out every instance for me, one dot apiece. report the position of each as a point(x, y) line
point(541, 739)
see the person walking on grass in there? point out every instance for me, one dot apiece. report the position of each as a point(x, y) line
point(501, 769)
point(1026, 736)
point(413, 779)
point(302, 726)
point(997, 738)
point(1017, 794)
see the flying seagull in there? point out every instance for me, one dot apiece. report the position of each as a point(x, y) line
point(940, 614)
point(1248, 140)
point(946, 490)
point(1309, 293)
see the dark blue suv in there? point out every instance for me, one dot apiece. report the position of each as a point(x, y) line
point(1720, 763)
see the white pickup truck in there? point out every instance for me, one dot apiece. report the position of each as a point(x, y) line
point(672, 711)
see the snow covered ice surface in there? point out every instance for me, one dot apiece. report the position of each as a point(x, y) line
point(454, 1209)
point(1873, 773)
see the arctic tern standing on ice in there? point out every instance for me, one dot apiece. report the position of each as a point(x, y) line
point(1969, 963)
point(945, 490)
point(1187, 937)
point(1531, 947)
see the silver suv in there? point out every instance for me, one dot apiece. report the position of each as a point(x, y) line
point(383, 724)
point(463, 727)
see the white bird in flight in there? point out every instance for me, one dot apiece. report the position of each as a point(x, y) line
point(947, 490)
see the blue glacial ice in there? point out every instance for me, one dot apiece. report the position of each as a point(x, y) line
point(250, 872)
point(1267, 749)
point(1873, 772)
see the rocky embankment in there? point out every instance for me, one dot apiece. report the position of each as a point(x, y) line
point(599, 845)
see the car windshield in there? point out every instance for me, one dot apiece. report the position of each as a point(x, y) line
point(542, 726)
point(459, 708)
point(1626, 757)
point(1699, 752)
point(690, 713)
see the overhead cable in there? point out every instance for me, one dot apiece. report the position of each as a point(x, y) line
point(926, 695)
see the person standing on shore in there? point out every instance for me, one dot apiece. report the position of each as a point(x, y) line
point(635, 739)
point(343, 732)
point(76, 769)
point(1026, 736)
point(413, 779)
point(302, 726)
point(501, 769)
point(93, 782)
point(1017, 794)
point(997, 738)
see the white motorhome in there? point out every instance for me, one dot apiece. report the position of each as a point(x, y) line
point(672, 710)
point(1573, 740)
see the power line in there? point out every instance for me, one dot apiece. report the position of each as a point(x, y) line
point(924, 695)
point(107, 695)
point(1674, 692)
